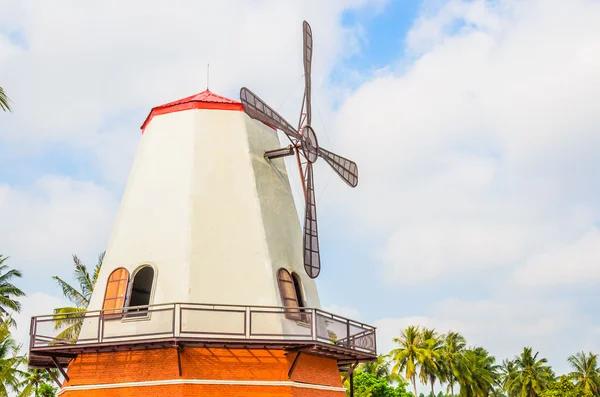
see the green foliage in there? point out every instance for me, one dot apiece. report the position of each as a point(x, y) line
point(477, 373)
point(37, 383)
point(565, 388)
point(69, 319)
point(4, 101)
point(10, 360)
point(586, 372)
point(529, 376)
point(453, 347)
point(381, 369)
point(432, 365)
point(411, 352)
point(369, 385)
point(8, 291)
point(47, 390)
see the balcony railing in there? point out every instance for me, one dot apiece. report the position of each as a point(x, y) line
point(204, 324)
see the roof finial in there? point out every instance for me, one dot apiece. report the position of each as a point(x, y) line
point(207, 75)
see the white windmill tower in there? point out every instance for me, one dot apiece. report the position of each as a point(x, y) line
point(207, 252)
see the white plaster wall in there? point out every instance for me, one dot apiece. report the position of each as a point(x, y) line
point(210, 214)
point(229, 256)
point(283, 232)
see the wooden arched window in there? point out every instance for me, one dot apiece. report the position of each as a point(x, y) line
point(116, 290)
point(289, 295)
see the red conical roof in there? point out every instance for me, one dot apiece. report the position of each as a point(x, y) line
point(204, 100)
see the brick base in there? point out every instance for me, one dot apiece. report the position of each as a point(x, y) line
point(205, 372)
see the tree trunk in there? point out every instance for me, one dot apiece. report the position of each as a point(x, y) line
point(452, 386)
point(432, 392)
point(414, 382)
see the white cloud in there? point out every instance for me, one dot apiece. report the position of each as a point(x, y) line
point(133, 57)
point(574, 263)
point(43, 224)
point(483, 152)
point(505, 325)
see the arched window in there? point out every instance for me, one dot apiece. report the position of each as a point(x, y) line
point(291, 294)
point(298, 288)
point(116, 290)
point(141, 289)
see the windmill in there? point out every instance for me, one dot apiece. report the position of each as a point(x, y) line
point(303, 144)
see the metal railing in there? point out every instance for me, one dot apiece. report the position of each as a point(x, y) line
point(190, 321)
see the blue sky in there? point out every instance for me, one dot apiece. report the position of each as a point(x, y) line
point(474, 124)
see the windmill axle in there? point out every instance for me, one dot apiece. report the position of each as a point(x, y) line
point(277, 153)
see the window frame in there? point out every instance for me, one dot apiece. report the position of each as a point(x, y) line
point(116, 312)
point(134, 315)
point(294, 311)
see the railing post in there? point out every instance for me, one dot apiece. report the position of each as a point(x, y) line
point(347, 333)
point(313, 328)
point(374, 341)
point(174, 319)
point(101, 326)
point(180, 323)
point(247, 322)
point(31, 332)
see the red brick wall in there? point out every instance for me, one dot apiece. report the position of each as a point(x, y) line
point(200, 363)
point(201, 390)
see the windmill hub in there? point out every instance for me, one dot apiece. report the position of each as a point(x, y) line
point(310, 145)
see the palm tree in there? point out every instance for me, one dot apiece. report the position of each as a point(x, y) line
point(10, 360)
point(454, 344)
point(409, 354)
point(477, 374)
point(70, 318)
point(586, 372)
point(47, 390)
point(432, 363)
point(36, 382)
point(532, 375)
point(507, 374)
point(8, 291)
point(4, 101)
point(380, 369)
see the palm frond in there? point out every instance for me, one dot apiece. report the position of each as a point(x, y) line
point(71, 293)
point(7, 302)
point(4, 101)
point(97, 268)
point(9, 275)
point(82, 276)
point(69, 334)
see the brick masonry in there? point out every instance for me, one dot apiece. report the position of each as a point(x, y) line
point(202, 363)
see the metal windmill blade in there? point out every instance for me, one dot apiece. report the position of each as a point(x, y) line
point(312, 256)
point(259, 110)
point(346, 169)
point(307, 54)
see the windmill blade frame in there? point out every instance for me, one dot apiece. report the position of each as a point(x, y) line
point(308, 51)
point(346, 169)
point(259, 110)
point(312, 256)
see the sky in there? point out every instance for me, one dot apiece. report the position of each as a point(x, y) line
point(474, 125)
